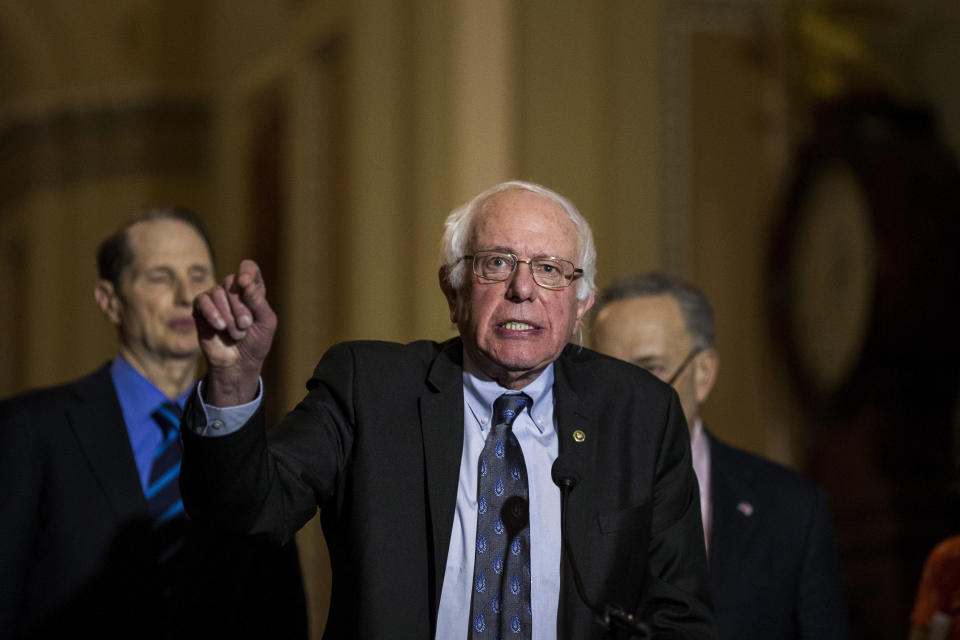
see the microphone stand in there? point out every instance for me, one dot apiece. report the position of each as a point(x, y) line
point(608, 615)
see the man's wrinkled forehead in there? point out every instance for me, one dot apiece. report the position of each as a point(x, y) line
point(561, 222)
point(149, 241)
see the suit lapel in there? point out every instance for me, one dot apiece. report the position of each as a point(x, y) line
point(577, 432)
point(441, 423)
point(733, 503)
point(97, 423)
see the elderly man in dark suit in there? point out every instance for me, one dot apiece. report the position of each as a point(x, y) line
point(431, 462)
point(93, 537)
point(774, 572)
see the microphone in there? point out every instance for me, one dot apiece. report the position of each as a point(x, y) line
point(608, 615)
point(564, 474)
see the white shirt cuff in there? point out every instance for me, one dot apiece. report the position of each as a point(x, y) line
point(221, 421)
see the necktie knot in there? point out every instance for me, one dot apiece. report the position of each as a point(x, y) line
point(167, 416)
point(507, 407)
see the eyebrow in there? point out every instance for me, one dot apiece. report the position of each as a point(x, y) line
point(512, 251)
point(157, 267)
point(194, 268)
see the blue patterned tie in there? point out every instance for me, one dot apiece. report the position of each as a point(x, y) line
point(163, 491)
point(501, 572)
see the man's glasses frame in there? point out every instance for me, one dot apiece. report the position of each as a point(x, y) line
point(683, 365)
point(568, 271)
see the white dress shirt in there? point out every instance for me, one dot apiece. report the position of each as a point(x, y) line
point(537, 435)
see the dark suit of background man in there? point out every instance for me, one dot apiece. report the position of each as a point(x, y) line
point(774, 572)
point(83, 550)
point(391, 443)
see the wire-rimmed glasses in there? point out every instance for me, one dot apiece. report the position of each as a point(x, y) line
point(548, 271)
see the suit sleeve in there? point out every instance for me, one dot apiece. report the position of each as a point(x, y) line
point(677, 601)
point(250, 482)
point(21, 473)
point(821, 612)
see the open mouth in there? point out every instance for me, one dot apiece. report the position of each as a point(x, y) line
point(516, 325)
point(183, 324)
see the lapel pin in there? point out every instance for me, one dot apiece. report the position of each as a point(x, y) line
point(579, 435)
point(745, 508)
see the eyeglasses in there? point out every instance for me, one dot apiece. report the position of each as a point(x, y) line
point(683, 365)
point(547, 271)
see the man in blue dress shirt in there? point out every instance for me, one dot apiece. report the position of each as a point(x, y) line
point(406, 448)
point(94, 539)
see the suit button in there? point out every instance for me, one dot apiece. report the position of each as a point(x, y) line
point(579, 435)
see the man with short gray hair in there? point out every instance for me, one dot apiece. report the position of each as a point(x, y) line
point(774, 571)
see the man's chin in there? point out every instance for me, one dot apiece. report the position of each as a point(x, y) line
point(183, 351)
point(513, 367)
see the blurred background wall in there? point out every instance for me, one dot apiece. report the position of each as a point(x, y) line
point(794, 159)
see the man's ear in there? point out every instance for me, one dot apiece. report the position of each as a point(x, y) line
point(706, 365)
point(449, 292)
point(105, 293)
point(582, 307)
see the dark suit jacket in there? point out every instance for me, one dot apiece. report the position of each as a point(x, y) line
point(75, 539)
point(774, 570)
point(376, 443)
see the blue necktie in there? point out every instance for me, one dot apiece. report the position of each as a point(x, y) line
point(163, 491)
point(500, 608)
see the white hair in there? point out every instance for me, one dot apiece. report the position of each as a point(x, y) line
point(457, 228)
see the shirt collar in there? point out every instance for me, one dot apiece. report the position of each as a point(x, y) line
point(696, 434)
point(138, 396)
point(480, 391)
point(700, 452)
